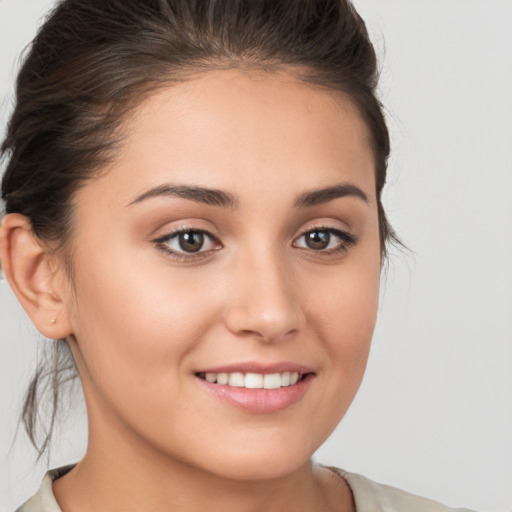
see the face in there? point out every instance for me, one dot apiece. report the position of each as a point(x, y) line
point(226, 274)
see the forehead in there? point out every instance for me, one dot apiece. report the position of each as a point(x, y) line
point(249, 130)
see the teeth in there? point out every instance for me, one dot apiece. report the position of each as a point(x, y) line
point(253, 380)
point(272, 381)
point(236, 380)
point(222, 378)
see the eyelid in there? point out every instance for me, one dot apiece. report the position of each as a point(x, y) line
point(161, 243)
point(347, 238)
point(184, 229)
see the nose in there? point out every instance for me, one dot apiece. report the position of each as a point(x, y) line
point(263, 300)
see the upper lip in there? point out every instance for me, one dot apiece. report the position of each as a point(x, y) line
point(256, 367)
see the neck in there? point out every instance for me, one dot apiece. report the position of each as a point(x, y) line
point(124, 482)
point(130, 476)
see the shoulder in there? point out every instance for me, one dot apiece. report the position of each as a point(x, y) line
point(44, 500)
point(370, 496)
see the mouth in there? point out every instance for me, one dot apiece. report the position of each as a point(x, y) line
point(252, 380)
point(255, 387)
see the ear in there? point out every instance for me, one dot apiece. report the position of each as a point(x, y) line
point(34, 277)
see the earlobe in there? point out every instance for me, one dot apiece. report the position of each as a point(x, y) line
point(27, 265)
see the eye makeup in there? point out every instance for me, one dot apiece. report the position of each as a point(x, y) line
point(191, 244)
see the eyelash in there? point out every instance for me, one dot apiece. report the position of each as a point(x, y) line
point(347, 240)
point(162, 244)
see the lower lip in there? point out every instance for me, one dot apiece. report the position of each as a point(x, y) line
point(260, 400)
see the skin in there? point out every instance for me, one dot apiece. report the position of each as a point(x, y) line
point(140, 322)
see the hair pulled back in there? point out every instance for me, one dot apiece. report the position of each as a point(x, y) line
point(93, 61)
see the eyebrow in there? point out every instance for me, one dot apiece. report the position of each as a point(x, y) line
point(214, 197)
point(209, 196)
point(324, 195)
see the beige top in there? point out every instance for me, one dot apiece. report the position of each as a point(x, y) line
point(369, 496)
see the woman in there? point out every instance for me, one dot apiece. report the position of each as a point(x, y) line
point(193, 198)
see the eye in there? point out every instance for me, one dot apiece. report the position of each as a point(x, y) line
point(325, 239)
point(187, 242)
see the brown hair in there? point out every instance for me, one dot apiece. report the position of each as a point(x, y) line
point(94, 60)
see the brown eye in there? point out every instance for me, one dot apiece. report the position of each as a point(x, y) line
point(191, 241)
point(317, 239)
point(327, 240)
point(188, 242)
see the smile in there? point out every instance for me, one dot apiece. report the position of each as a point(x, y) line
point(253, 380)
point(258, 390)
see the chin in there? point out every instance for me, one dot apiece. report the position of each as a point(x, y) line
point(257, 469)
point(259, 461)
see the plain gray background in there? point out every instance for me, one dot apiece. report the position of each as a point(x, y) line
point(434, 413)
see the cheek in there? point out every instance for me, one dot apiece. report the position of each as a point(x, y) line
point(136, 324)
point(137, 334)
point(345, 304)
point(343, 313)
